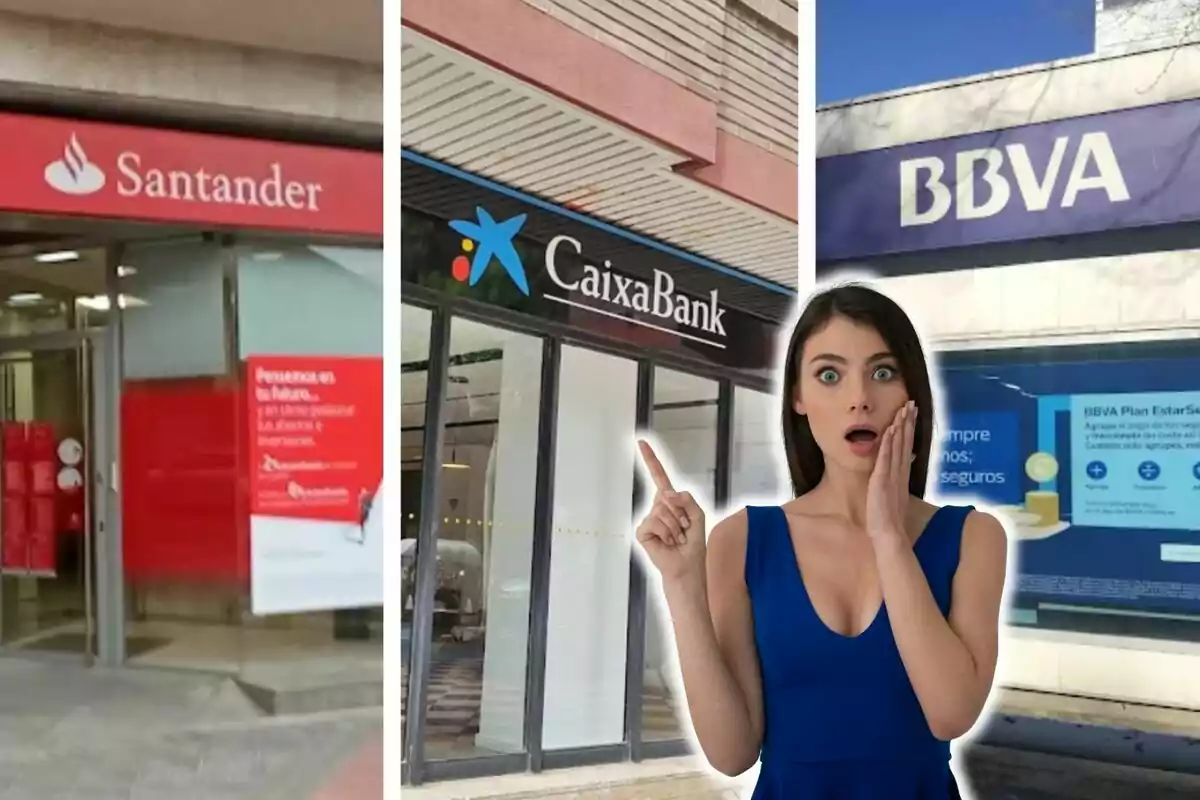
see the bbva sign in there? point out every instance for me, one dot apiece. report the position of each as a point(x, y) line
point(1093, 167)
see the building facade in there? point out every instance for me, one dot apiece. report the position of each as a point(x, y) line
point(1042, 225)
point(599, 237)
point(185, 198)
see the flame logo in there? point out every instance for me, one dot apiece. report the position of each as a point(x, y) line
point(74, 173)
point(75, 158)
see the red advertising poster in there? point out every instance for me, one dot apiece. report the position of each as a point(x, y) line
point(64, 166)
point(316, 436)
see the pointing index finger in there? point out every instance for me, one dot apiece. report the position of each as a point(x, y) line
point(657, 473)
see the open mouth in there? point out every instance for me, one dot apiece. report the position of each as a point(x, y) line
point(861, 434)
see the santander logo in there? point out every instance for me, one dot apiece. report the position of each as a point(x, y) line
point(136, 177)
point(73, 173)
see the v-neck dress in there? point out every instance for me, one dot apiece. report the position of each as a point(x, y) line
point(842, 721)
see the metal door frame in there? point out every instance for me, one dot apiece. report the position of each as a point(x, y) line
point(104, 613)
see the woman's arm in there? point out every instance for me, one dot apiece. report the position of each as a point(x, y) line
point(714, 634)
point(951, 664)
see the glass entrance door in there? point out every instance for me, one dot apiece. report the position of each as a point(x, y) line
point(47, 504)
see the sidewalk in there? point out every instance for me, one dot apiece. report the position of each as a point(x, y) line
point(74, 734)
point(994, 773)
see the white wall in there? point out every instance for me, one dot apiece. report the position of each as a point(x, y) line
point(86, 63)
point(589, 568)
point(1009, 99)
point(1107, 299)
point(1129, 27)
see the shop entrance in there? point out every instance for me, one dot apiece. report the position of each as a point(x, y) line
point(53, 441)
point(46, 537)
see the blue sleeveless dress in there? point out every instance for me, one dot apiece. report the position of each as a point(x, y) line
point(842, 721)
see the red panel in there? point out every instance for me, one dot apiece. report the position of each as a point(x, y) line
point(184, 518)
point(315, 427)
point(63, 166)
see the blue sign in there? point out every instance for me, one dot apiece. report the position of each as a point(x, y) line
point(1124, 169)
point(981, 457)
point(1096, 465)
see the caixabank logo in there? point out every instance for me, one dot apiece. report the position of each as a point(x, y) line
point(488, 240)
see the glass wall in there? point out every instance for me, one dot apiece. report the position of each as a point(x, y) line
point(684, 417)
point(756, 469)
point(1072, 391)
point(475, 704)
point(251, 416)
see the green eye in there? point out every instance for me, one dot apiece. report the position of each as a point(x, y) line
point(884, 373)
point(827, 376)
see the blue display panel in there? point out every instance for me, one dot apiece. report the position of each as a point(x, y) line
point(1095, 460)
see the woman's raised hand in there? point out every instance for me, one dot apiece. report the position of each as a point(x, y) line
point(672, 533)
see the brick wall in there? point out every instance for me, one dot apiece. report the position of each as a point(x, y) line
point(740, 54)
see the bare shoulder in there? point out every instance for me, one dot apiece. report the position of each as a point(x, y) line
point(983, 530)
point(984, 548)
point(727, 543)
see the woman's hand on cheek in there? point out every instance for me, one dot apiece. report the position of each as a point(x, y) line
point(887, 492)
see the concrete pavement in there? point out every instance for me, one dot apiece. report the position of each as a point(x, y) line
point(75, 734)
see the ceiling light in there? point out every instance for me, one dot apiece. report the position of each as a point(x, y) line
point(101, 303)
point(56, 257)
point(267, 255)
point(25, 299)
point(124, 271)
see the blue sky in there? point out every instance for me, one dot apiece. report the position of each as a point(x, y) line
point(867, 46)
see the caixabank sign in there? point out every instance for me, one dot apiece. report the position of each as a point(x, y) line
point(513, 251)
point(1125, 169)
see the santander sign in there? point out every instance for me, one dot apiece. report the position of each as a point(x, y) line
point(78, 168)
point(75, 174)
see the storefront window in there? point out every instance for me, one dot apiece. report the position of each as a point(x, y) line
point(684, 417)
point(414, 354)
point(589, 566)
point(182, 526)
point(252, 413)
point(476, 697)
point(1072, 400)
point(755, 473)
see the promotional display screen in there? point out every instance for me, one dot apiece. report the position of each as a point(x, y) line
point(1095, 462)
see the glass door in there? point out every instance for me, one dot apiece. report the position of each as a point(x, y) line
point(47, 507)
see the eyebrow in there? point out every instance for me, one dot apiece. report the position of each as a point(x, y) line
point(884, 356)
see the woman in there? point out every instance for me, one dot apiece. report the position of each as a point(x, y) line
point(848, 635)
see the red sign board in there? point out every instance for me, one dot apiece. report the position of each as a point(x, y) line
point(61, 166)
point(316, 433)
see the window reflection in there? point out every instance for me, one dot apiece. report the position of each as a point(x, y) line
point(476, 700)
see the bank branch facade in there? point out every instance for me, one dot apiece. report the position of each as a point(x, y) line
point(1055, 264)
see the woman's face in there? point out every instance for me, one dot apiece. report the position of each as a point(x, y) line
point(850, 388)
